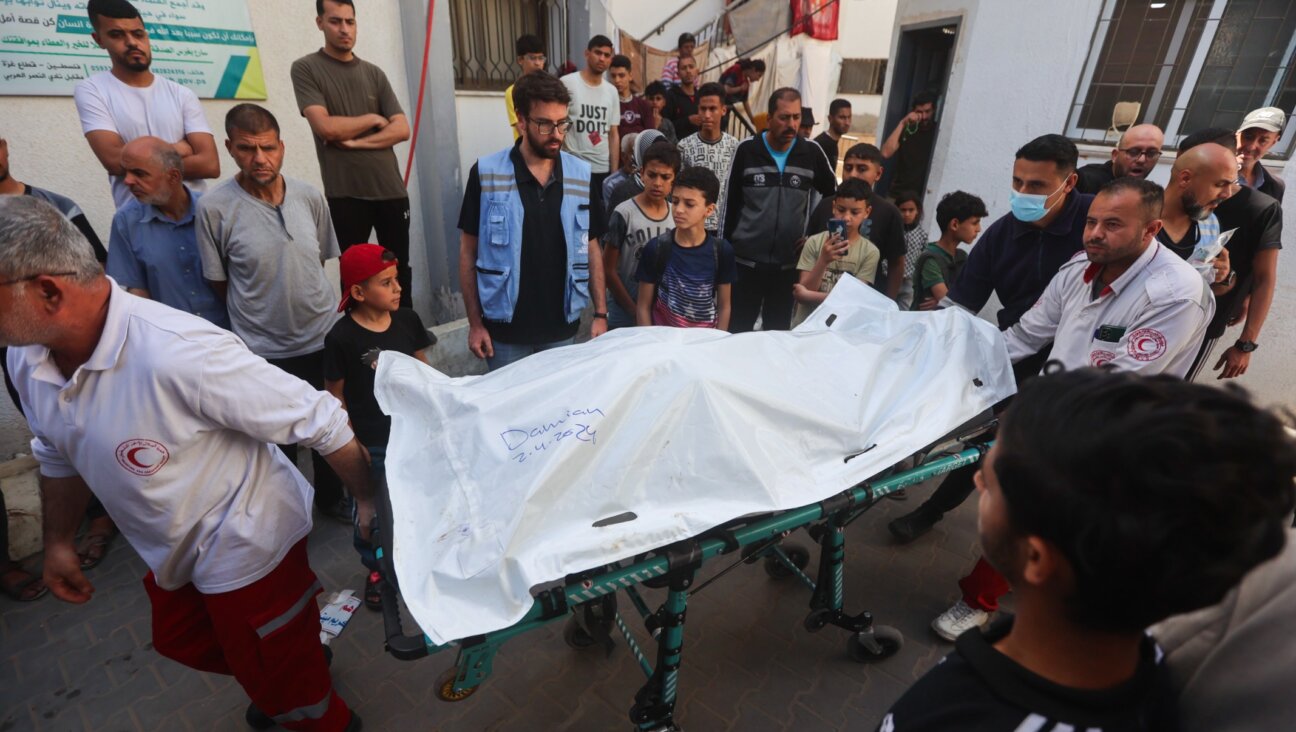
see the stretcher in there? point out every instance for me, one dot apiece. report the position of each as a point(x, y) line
point(587, 601)
point(550, 488)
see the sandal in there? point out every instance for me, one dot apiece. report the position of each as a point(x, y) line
point(373, 591)
point(94, 547)
point(29, 588)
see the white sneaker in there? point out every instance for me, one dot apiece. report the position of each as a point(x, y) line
point(958, 620)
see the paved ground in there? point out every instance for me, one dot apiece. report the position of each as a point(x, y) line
point(748, 664)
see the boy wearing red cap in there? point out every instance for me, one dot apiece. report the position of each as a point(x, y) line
point(374, 322)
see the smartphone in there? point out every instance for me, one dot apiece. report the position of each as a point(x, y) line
point(837, 227)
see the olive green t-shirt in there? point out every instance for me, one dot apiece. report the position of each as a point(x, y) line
point(350, 89)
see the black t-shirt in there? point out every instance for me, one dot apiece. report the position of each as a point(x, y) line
point(978, 689)
point(1185, 246)
point(1092, 177)
point(829, 146)
point(539, 316)
point(912, 159)
point(884, 226)
point(1258, 220)
point(679, 106)
point(350, 356)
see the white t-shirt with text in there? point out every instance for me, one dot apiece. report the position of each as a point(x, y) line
point(594, 111)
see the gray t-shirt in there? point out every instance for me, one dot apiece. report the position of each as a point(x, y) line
point(629, 229)
point(350, 89)
point(280, 302)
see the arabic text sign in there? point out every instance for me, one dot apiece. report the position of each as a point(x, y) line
point(206, 45)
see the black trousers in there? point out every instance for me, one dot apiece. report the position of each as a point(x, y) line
point(310, 369)
point(354, 218)
point(765, 292)
point(959, 484)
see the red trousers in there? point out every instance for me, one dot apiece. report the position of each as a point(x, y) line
point(983, 588)
point(265, 634)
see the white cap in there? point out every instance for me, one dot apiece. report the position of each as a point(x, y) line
point(1266, 118)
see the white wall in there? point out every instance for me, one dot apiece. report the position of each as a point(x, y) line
point(640, 17)
point(46, 147)
point(483, 128)
point(1009, 85)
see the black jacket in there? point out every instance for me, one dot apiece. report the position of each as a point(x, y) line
point(767, 211)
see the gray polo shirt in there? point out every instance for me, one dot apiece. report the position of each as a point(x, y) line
point(280, 302)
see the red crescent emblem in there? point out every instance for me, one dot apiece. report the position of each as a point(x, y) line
point(1146, 344)
point(1101, 358)
point(142, 457)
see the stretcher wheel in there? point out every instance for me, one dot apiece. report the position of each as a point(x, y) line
point(576, 637)
point(888, 641)
point(799, 555)
point(445, 687)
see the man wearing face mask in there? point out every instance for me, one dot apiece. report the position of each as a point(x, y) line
point(1015, 259)
point(1136, 154)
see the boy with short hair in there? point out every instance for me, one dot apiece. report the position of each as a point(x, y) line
point(1110, 501)
point(633, 224)
point(374, 322)
point(686, 275)
point(915, 237)
point(530, 58)
point(884, 226)
point(656, 96)
point(711, 147)
point(636, 112)
point(685, 47)
point(829, 255)
point(937, 268)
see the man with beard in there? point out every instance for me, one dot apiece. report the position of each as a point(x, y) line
point(1136, 154)
point(839, 123)
point(1253, 254)
point(153, 247)
point(1111, 501)
point(1201, 179)
point(356, 120)
point(911, 142)
point(775, 182)
point(264, 238)
point(539, 263)
point(1128, 303)
point(129, 101)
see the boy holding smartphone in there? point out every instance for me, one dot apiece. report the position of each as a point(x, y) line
point(841, 250)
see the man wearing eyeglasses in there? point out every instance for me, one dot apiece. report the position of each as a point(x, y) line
point(529, 259)
point(1136, 154)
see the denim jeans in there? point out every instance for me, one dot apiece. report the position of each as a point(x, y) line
point(507, 353)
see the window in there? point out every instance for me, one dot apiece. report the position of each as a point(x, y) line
point(1188, 64)
point(862, 76)
point(483, 33)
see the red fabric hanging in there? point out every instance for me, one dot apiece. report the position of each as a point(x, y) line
point(815, 18)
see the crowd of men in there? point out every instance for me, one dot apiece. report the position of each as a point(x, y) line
point(204, 343)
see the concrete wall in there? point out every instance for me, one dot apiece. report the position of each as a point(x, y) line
point(47, 149)
point(864, 31)
point(483, 128)
point(1008, 86)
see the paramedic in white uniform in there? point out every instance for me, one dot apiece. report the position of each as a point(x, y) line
point(1127, 302)
point(172, 423)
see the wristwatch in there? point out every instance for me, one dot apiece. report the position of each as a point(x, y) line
point(1246, 346)
point(601, 315)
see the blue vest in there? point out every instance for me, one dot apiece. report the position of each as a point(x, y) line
point(499, 236)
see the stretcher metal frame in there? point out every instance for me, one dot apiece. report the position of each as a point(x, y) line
point(587, 599)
